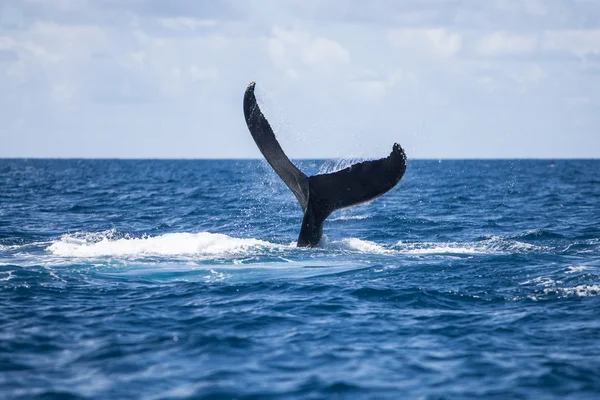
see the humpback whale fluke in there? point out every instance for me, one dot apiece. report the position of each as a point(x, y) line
point(322, 194)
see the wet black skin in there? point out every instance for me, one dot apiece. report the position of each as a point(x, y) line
point(320, 195)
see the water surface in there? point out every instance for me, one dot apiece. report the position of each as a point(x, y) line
point(180, 279)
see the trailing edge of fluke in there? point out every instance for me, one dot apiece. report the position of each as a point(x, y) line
point(320, 195)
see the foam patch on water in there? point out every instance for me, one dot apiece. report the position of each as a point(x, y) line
point(211, 245)
point(216, 276)
point(575, 291)
point(357, 245)
point(542, 281)
point(349, 217)
point(576, 268)
point(6, 275)
point(546, 286)
point(492, 245)
point(436, 248)
point(10, 247)
point(580, 290)
point(169, 244)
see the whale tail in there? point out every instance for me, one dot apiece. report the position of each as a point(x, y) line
point(320, 195)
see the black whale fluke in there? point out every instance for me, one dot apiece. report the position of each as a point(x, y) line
point(320, 195)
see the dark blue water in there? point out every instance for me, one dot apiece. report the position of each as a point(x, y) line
point(180, 279)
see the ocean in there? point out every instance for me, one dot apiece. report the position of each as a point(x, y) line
point(180, 279)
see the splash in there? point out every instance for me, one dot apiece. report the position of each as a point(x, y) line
point(206, 244)
point(335, 165)
point(169, 244)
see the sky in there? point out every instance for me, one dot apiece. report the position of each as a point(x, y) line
point(336, 79)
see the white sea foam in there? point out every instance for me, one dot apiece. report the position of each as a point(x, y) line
point(6, 275)
point(112, 244)
point(216, 276)
point(10, 248)
point(579, 291)
point(542, 280)
point(555, 287)
point(582, 290)
point(436, 248)
point(492, 245)
point(169, 244)
point(349, 217)
point(358, 245)
point(576, 268)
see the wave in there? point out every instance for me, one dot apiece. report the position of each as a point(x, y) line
point(170, 244)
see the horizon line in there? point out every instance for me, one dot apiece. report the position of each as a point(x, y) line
point(298, 158)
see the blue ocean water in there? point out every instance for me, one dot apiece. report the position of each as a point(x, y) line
point(180, 279)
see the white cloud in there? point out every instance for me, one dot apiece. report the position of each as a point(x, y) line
point(174, 65)
point(503, 43)
point(202, 73)
point(278, 52)
point(63, 93)
point(184, 23)
point(324, 54)
point(145, 72)
point(531, 7)
point(576, 42)
point(372, 88)
point(290, 49)
point(438, 42)
point(578, 101)
point(528, 74)
point(6, 42)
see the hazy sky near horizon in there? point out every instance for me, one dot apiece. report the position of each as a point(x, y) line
point(345, 78)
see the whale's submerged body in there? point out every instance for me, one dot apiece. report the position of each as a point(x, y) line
point(320, 195)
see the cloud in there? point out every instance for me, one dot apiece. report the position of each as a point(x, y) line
point(8, 56)
point(437, 42)
point(294, 49)
point(325, 54)
point(187, 24)
point(528, 74)
point(529, 7)
point(371, 87)
point(577, 42)
point(503, 43)
point(161, 78)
